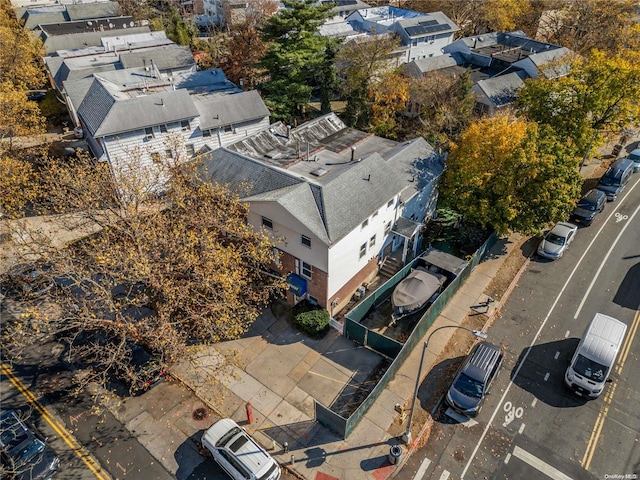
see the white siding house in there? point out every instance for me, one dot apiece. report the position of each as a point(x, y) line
point(333, 198)
point(138, 113)
point(422, 35)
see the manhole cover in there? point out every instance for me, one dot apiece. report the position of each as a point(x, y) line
point(199, 413)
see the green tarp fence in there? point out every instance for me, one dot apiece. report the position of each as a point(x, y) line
point(387, 346)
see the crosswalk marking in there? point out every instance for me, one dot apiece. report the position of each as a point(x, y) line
point(422, 470)
point(539, 465)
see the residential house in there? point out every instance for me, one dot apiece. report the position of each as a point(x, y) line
point(85, 33)
point(138, 50)
point(503, 52)
point(33, 15)
point(336, 200)
point(498, 65)
point(422, 35)
point(130, 117)
point(337, 26)
point(228, 12)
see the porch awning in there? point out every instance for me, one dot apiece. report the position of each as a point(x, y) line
point(406, 227)
point(297, 284)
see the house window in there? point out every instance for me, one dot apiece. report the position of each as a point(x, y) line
point(306, 241)
point(306, 270)
point(227, 129)
point(191, 150)
point(206, 133)
point(363, 250)
point(155, 157)
point(387, 228)
point(375, 214)
point(372, 241)
point(168, 153)
point(266, 222)
point(184, 124)
point(148, 133)
point(163, 128)
point(390, 203)
point(276, 256)
point(365, 223)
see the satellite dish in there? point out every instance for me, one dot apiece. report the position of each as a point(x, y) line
point(124, 25)
point(110, 25)
point(89, 23)
point(132, 24)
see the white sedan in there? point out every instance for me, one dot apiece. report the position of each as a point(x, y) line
point(556, 240)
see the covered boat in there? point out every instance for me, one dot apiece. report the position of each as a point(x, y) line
point(423, 285)
point(416, 291)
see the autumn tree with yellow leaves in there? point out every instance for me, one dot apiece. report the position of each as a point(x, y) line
point(510, 174)
point(597, 99)
point(164, 268)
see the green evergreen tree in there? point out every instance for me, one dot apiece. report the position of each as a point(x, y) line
point(329, 79)
point(294, 57)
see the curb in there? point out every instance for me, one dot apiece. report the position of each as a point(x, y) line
point(490, 318)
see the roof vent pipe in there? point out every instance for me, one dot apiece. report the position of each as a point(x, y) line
point(288, 131)
point(353, 153)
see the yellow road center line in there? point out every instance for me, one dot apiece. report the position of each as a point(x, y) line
point(78, 449)
point(608, 398)
point(627, 344)
point(595, 435)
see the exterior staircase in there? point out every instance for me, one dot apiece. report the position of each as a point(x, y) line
point(391, 265)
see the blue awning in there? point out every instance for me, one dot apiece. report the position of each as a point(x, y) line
point(297, 284)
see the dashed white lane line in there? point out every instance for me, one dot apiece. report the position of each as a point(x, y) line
point(422, 470)
point(521, 429)
point(445, 475)
point(533, 403)
point(539, 465)
point(566, 335)
point(546, 376)
point(555, 357)
point(507, 458)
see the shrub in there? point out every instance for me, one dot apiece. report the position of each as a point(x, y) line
point(314, 323)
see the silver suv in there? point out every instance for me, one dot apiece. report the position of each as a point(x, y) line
point(237, 453)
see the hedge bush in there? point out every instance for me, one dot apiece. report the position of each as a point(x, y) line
point(314, 322)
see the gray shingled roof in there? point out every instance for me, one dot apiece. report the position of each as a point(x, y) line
point(329, 211)
point(230, 109)
point(502, 90)
point(104, 115)
point(33, 18)
point(83, 11)
point(164, 58)
point(76, 90)
point(75, 41)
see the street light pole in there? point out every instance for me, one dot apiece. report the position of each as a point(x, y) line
point(406, 437)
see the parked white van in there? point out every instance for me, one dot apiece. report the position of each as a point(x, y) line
point(595, 356)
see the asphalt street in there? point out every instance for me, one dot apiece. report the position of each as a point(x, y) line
point(531, 425)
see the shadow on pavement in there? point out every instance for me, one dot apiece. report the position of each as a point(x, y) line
point(542, 373)
point(436, 383)
point(628, 293)
point(190, 454)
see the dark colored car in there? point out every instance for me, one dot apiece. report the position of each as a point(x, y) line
point(25, 453)
point(27, 280)
point(634, 156)
point(589, 206)
point(474, 378)
point(615, 179)
point(143, 371)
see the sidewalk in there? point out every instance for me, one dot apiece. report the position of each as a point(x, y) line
point(275, 380)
